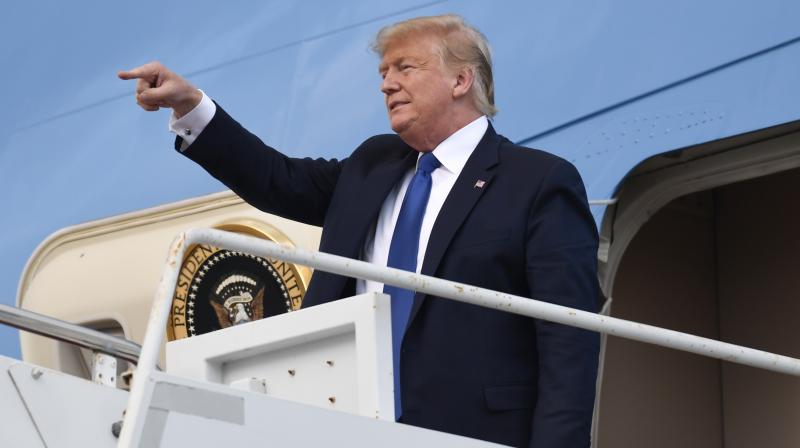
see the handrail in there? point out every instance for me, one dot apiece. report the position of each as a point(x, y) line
point(68, 332)
point(598, 202)
point(134, 417)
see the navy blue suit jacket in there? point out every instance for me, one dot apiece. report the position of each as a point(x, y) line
point(528, 231)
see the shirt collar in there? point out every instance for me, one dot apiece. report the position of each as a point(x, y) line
point(454, 151)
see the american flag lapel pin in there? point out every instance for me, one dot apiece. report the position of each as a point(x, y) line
point(480, 183)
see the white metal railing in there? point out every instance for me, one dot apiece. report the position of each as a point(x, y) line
point(68, 332)
point(430, 285)
point(599, 202)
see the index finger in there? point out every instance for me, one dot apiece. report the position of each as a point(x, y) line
point(132, 74)
point(143, 71)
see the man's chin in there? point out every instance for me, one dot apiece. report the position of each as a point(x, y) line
point(400, 126)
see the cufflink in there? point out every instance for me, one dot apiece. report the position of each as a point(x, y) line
point(187, 132)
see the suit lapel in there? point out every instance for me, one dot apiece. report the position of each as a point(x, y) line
point(362, 211)
point(376, 187)
point(353, 221)
point(457, 206)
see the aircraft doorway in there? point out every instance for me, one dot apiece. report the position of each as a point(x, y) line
point(721, 262)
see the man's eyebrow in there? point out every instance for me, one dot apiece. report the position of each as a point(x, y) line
point(384, 66)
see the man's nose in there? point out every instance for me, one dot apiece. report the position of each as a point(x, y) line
point(389, 85)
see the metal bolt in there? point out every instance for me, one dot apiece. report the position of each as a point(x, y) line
point(116, 428)
point(37, 373)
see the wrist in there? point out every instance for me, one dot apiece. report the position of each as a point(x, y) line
point(186, 105)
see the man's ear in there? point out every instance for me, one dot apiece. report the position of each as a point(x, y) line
point(463, 82)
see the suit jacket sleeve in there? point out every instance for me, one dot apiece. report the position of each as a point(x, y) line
point(561, 264)
point(297, 189)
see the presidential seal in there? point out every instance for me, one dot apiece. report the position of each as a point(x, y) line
point(218, 288)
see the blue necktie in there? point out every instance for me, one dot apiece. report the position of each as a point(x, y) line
point(403, 255)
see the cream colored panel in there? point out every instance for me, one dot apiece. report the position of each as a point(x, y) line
point(109, 269)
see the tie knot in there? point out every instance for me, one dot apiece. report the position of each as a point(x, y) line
point(427, 163)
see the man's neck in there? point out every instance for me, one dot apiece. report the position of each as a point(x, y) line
point(457, 121)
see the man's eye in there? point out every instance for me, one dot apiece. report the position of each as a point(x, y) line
point(405, 67)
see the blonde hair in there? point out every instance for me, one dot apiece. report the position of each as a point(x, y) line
point(461, 46)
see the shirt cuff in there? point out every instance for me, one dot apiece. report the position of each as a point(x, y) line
point(189, 126)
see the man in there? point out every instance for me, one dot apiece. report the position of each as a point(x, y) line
point(448, 197)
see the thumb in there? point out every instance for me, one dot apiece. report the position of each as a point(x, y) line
point(157, 95)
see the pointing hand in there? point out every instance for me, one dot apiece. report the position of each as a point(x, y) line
point(157, 86)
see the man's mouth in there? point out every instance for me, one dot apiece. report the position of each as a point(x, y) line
point(395, 104)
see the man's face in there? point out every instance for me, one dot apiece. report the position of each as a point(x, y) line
point(418, 91)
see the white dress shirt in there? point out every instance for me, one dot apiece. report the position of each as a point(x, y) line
point(453, 153)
